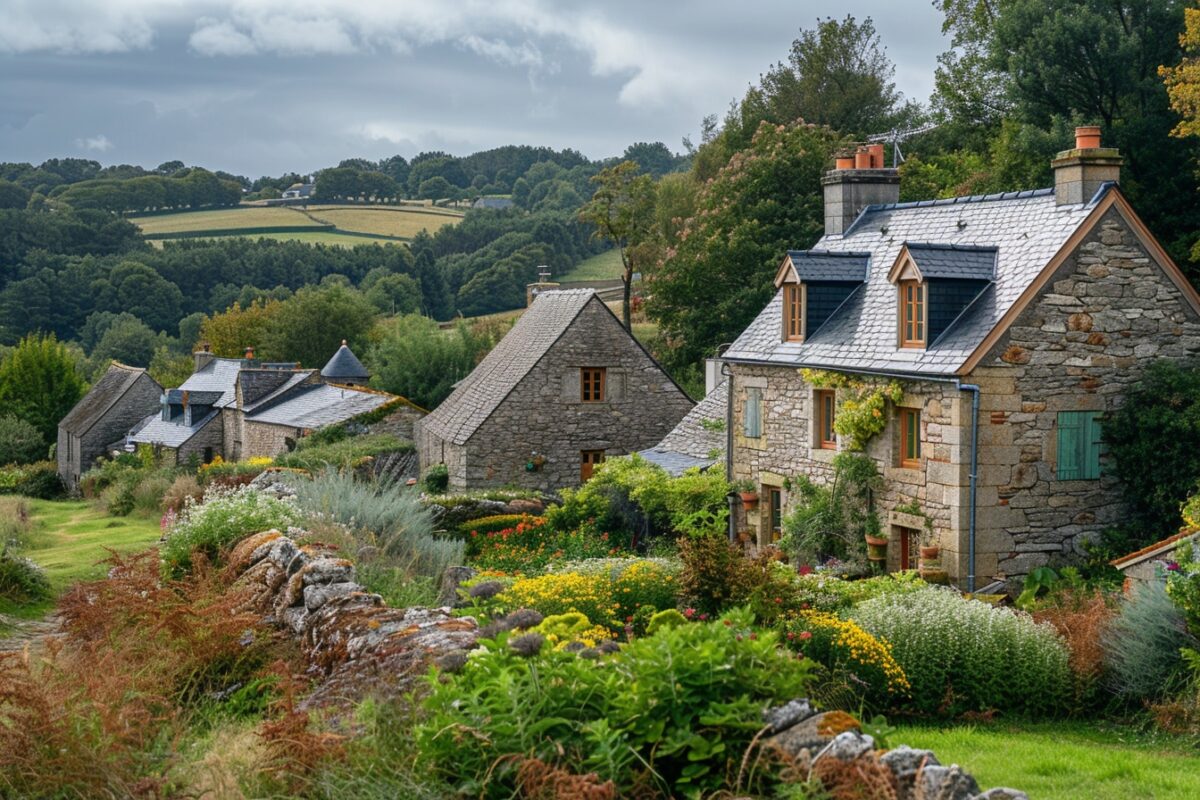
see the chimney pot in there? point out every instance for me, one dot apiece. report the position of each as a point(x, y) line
point(1087, 137)
point(844, 161)
point(876, 151)
point(862, 158)
point(249, 353)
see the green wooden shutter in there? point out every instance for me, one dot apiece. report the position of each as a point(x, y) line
point(752, 413)
point(1078, 445)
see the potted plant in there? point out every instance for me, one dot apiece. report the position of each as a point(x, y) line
point(877, 539)
point(745, 488)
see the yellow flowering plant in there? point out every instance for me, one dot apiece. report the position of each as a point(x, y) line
point(562, 593)
point(861, 406)
point(561, 630)
point(842, 646)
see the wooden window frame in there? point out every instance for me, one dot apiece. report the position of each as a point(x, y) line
point(588, 461)
point(753, 395)
point(920, 322)
point(773, 509)
point(795, 298)
point(592, 378)
point(907, 439)
point(826, 439)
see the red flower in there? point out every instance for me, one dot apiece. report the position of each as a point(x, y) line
point(805, 636)
point(804, 606)
point(805, 569)
point(791, 636)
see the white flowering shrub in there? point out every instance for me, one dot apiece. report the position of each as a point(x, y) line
point(220, 520)
point(964, 655)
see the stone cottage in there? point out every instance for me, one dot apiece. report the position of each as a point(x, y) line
point(566, 388)
point(241, 408)
point(1012, 323)
point(115, 403)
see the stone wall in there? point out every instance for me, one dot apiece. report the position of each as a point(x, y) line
point(543, 414)
point(263, 439)
point(788, 448)
point(1108, 312)
point(210, 436)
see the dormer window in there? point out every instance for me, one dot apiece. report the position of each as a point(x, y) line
point(913, 308)
point(936, 284)
point(814, 284)
point(793, 312)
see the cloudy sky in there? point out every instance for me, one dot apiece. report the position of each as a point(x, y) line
point(266, 86)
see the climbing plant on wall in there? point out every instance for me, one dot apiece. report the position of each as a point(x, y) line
point(862, 402)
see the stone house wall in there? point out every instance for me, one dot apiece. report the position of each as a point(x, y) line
point(787, 449)
point(544, 415)
point(1107, 313)
point(263, 439)
point(77, 454)
point(432, 449)
point(210, 436)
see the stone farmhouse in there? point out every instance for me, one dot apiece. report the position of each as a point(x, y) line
point(116, 403)
point(1012, 321)
point(235, 408)
point(566, 388)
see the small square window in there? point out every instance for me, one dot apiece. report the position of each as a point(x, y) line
point(824, 412)
point(910, 438)
point(591, 384)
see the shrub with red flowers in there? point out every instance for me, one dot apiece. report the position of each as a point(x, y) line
point(531, 544)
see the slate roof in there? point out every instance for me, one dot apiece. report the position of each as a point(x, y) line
point(690, 443)
point(154, 430)
point(482, 392)
point(219, 375)
point(1026, 228)
point(103, 395)
point(829, 265)
point(953, 261)
point(318, 405)
point(345, 366)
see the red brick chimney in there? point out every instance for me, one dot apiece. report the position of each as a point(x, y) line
point(1080, 172)
point(858, 179)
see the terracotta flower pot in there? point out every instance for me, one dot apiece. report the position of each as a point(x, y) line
point(749, 500)
point(930, 553)
point(876, 541)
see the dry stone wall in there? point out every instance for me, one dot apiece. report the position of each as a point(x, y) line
point(1107, 313)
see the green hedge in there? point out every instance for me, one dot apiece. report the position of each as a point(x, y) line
point(204, 234)
point(38, 480)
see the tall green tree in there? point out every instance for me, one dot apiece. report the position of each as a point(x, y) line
point(766, 200)
point(39, 383)
point(622, 211)
point(310, 326)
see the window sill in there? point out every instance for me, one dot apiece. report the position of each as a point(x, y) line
point(821, 454)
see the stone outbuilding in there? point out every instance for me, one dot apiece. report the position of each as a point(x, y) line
point(117, 402)
point(1012, 322)
point(240, 408)
point(565, 389)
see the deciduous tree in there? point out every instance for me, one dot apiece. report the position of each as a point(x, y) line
point(39, 383)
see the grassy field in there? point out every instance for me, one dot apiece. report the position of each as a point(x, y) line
point(69, 541)
point(222, 219)
point(603, 267)
point(1065, 761)
point(403, 223)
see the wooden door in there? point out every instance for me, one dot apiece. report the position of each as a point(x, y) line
point(587, 463)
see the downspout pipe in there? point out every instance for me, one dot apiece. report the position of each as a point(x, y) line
point(974, 481)
point(732, 497)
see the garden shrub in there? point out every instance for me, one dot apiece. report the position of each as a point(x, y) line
point(844, 647)
point(563, 593)
point(39, 480)
point(454, 510)
point(436, 479)
point(20, 441)
point(1142, 644)
point(964, 655)
point(1151, 443)
point(562, 630)
point(1183, 577)
point(715, 574)
point(671, 714)
point(476, 532)
point(16, 522)
point(180, 490)
point(391, 518)
point(22, 582)
point(1080, 617)
point(347, 453)
point(225, 516)
point(831, 519)
point(533, 544)
point(232, 473)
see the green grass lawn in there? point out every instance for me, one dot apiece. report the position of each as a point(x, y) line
point(1065, 761)
point(69, 541)
point(603, 267)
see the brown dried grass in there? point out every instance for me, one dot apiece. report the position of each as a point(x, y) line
point(537, 780)
point(95, 716)
point(862, 779)
point(1079, 616)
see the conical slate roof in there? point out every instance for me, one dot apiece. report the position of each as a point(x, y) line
point(345, 367)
